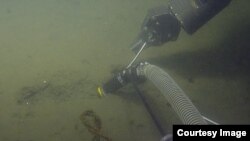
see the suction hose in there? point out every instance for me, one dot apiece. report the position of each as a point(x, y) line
point(181, 104)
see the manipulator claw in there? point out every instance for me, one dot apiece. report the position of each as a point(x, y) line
point(159, 27)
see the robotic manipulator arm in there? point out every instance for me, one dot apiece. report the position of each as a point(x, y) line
point(163, 24)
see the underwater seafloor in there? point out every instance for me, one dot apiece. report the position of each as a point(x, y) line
point(55, 53)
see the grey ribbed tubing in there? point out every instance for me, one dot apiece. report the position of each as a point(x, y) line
point(181, 104)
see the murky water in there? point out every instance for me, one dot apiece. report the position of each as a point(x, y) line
point(54, 54)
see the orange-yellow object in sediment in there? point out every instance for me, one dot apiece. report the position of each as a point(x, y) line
point(100, 92)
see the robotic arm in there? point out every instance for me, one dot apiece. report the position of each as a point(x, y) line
point(163, 24)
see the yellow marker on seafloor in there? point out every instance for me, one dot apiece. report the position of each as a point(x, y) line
point(100, 92)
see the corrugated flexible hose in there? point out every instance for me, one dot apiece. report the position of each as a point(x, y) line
point(181, 104)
